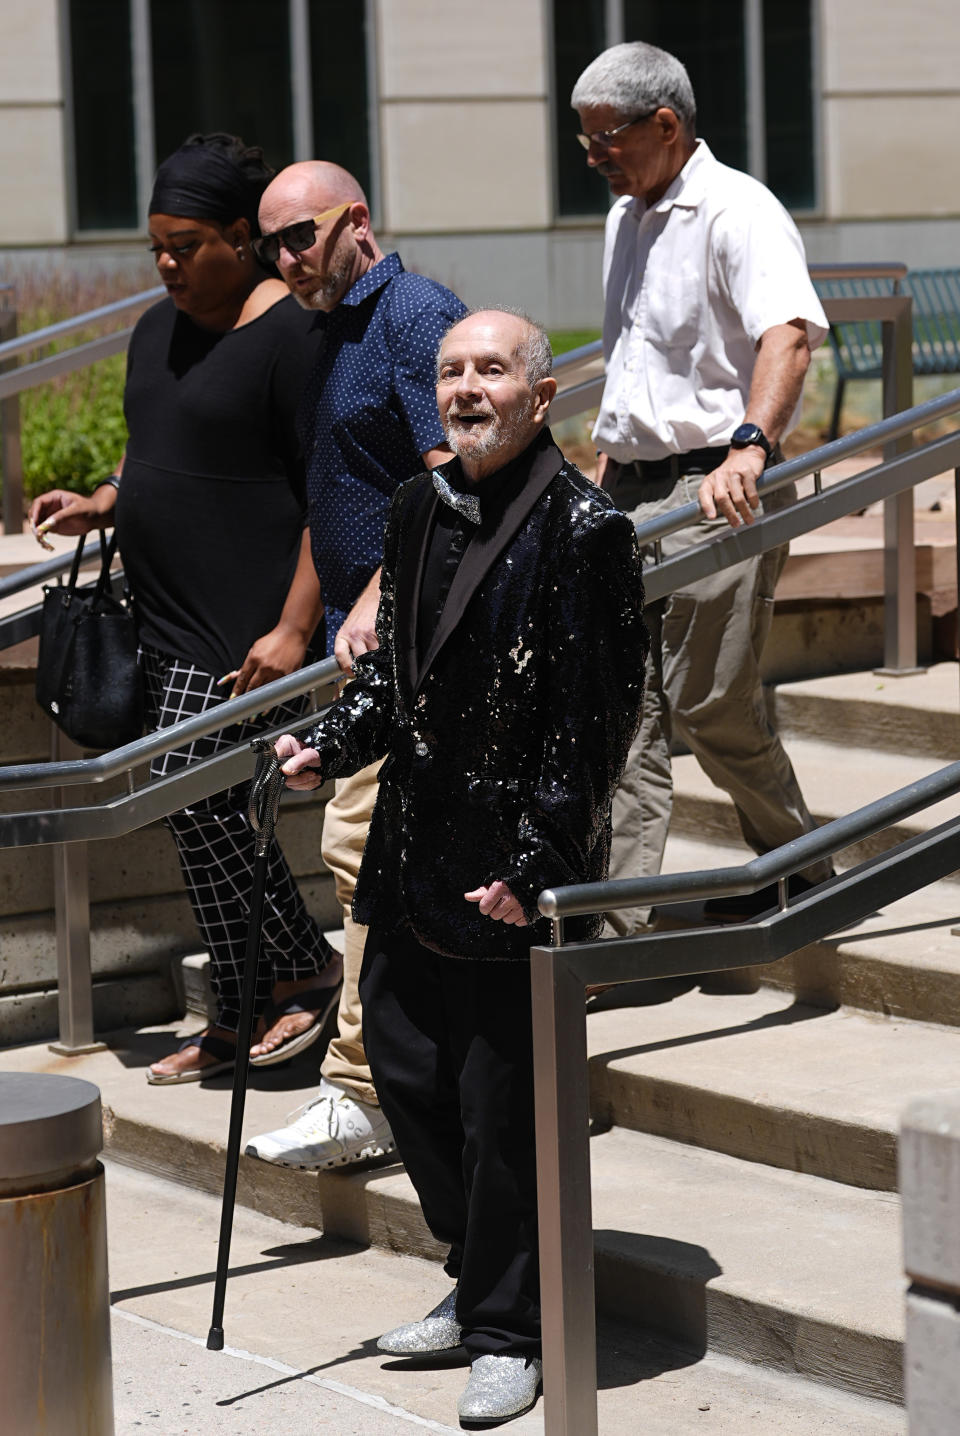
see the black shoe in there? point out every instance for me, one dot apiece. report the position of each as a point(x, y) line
point(747, 905)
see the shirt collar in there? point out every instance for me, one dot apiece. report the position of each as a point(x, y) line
point(375, 278)
point(487, 488)
point(686, 190)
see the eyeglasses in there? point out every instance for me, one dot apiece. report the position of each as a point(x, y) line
point(604, 138)
point(294, 237)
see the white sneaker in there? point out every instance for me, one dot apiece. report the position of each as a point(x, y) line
point(330, 1130)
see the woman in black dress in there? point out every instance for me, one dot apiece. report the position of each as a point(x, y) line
point(211, 521)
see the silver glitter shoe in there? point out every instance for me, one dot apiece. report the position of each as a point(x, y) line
point(500, 1387)
point(438, 1331)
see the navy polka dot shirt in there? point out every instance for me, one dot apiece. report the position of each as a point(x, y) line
point(369, 412)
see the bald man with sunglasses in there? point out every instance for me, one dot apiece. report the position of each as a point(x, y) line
point(368, 421)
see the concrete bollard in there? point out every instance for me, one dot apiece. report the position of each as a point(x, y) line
point(55, 1373)
point(930, 1187)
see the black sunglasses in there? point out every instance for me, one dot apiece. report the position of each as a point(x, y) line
point(294, 237)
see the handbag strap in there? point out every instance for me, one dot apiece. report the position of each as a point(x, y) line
point(107, 551)
point(75, 566)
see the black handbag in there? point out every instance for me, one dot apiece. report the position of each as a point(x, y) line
point(88, 674)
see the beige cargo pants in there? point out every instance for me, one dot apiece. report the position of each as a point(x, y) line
point(703, 687)
point(345, 823)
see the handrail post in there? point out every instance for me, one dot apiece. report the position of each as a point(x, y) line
point(899, 551)
point(567, 1296)
point(930, 1183)
point(11, 456)
point(72, 905)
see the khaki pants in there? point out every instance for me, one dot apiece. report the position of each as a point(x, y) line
point(703, 687)
point(345, 825)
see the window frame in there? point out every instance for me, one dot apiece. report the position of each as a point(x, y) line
point(141, 64)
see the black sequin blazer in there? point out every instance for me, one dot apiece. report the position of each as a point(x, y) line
point(507, 738)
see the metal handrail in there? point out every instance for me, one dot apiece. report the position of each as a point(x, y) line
point(778, 526)
point(559, 976)
point(68, 772)
point(51, 332)
point(885, 431)
point(570, 358)
point(42, 370)
point(37, 573)
point(823, 842)
point(116, 817)
point(803, 466)
point(23, 343)
point(18, 379)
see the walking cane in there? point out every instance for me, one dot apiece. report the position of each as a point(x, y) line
point(263, 809)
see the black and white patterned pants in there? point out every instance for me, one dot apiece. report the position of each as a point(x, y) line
point(216, 846)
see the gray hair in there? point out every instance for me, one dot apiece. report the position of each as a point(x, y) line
point(634, 79)
point(534, 348)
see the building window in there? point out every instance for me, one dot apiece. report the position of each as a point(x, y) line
point(748, 60)
point(148, 73)
point(338, 63)
point(788, 76)
point(101, 79)
point(222, 65)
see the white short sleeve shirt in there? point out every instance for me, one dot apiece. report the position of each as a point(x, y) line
point(691, 284)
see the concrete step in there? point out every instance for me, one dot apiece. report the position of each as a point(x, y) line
point(772, 1267)
point(142, 863)
point(762, 1078)
point(135, 951)
point(901, 961)
point(198, 995)
point(918, 714)
point(303, 1313)
point(834, 782)
point(140, 918)
point(813, 636)
point(135, 998)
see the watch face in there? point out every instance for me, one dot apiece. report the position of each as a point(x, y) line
point(750, 434)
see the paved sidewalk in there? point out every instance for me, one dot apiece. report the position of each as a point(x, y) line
point(167, 1382)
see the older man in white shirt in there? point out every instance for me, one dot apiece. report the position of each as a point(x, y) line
point(709, 322)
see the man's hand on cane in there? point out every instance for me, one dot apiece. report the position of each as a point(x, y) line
point(298, 764)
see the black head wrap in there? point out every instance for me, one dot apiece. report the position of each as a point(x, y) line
point(202, 180)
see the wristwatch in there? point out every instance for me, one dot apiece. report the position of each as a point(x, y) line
point(748, 434)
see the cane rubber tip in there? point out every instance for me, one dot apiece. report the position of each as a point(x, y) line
point(215, 1338)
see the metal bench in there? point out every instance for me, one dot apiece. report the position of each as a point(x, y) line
point(857, 348)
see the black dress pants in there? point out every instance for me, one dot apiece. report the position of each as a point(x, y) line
point(450, 1049)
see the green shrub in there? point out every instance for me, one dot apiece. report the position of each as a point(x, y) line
point(72, 430)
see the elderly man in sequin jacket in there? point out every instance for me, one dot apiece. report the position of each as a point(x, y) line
point(506, 692)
